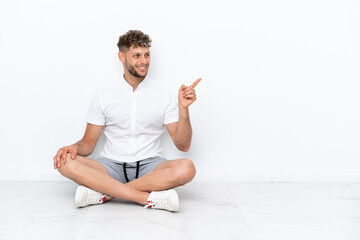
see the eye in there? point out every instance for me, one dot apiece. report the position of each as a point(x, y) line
point(136, 56)
point(147, 55)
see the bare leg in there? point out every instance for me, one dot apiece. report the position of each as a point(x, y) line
point(95, 176)
point(170, 174)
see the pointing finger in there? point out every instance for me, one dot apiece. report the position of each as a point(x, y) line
point(195, 83)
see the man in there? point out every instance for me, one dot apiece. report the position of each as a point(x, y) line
point(132, 112)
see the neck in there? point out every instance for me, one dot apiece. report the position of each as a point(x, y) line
point(133, 81)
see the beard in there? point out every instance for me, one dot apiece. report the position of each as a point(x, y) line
point(133, 71)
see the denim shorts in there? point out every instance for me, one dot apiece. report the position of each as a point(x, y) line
point(126, 172)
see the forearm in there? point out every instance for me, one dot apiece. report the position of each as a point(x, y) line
point(83, 148)
point(184, 131)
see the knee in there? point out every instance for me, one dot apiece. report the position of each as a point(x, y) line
point(68, 169)
point(186, 171)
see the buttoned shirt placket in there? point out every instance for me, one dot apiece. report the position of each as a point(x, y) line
point(132, 124)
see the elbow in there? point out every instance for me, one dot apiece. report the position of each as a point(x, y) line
point(182, 145)
point(88, 147)
point(184, 148)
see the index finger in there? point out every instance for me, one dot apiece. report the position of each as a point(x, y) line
point(195, 83)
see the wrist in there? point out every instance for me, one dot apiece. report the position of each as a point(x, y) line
point(183, 111)
point(76, 146)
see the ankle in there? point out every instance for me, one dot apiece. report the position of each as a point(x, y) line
point(142, 200)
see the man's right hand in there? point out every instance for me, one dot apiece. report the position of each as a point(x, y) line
point(60, 157)
point(85, 146)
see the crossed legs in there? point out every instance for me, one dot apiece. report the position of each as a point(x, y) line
point(92, 174)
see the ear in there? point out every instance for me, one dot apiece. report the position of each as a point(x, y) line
point(121, 56)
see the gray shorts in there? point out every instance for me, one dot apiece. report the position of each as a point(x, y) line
point(126, 172)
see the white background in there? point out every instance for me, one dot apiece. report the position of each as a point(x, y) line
point(279, 100)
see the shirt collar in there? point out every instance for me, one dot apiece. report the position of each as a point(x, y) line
point(129, 87)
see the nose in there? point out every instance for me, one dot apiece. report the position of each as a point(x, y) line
point(143, 60)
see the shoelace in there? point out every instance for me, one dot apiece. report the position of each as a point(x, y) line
point(157, 202)
point(149, 204)
point(96, 197)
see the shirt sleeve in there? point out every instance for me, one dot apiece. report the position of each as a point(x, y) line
point(171, 109)
point(96, 114)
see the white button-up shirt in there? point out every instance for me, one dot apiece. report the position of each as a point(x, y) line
point(133, 120)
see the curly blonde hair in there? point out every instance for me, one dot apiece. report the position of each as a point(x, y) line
point(133, 38)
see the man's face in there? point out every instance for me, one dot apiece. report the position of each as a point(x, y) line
point(137, 61)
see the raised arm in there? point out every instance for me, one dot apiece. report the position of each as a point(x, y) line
point(181, 131)
point(84, 147)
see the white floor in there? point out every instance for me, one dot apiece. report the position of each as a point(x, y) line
point(260, 211)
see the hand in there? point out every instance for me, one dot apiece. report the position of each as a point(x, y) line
point(187, 94)
point(61, 155)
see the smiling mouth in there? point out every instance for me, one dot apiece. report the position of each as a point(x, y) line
point(142, 68)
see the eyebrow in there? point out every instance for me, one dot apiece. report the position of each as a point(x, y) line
point(138, 53)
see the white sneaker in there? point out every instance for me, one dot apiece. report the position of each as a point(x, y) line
point(85, 196)
point(167, 199)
